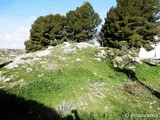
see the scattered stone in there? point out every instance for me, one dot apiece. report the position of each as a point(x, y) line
point(40, 75)
point(110, 53)
point(81, 88)
point(101, 54)
point(83, 45)
point(98, 84)
point(23, 66)
point(132, 67)
point(66, 44)
point(91, 98)
point(2, 79)
point(125, 62)
point(138, 60)
point(7, 79)
point(50, 47)
point(106, 108)
point(71, 51)
point(98, 59)
point(51, 66)
point(29, 70)
point(62, 58)
point(118, 59)
point(68, 48)
point(65, 108)
point(35, 56)
point(99, 94)
point(29, 58)
point(42, 53)
point(152, 102)
point(78, 60)
point(20, 83)
point(95, 74)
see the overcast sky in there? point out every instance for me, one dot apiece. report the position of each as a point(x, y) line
point(17, 16)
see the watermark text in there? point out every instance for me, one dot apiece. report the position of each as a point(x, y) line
point(137, 115)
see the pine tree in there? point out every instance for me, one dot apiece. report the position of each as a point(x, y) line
point(131, 23)
point(46, 30)
point(81, 24)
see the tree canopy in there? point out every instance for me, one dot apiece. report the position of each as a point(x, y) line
point(45, 31)
point(132, 23)
point(81, 24)
point(78, 25)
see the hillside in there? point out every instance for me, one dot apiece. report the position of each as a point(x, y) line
point(77, 81)
point(9, 54)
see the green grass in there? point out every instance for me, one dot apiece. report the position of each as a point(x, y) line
point(71, 80)
point(150, 75)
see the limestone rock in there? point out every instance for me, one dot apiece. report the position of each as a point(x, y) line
point(125, 62)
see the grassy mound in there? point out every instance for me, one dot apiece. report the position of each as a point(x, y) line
point(73, 78)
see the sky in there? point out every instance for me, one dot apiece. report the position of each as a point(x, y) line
point(17, 16)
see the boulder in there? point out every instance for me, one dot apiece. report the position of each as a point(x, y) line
point(125, 62)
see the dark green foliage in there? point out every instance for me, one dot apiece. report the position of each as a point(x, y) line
point(45, 31)
point(81, 24)
point(131, 23)
point(31, 46)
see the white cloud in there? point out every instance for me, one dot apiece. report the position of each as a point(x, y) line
point(15, 39)
point(14, 31)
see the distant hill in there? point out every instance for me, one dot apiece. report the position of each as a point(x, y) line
point(9, 54)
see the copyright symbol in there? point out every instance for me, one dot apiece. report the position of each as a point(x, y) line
point(127, 115)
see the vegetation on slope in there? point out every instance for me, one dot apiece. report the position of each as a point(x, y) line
point(77, 77)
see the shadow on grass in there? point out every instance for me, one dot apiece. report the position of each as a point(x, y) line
point(17, 108)
point(131, 75)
